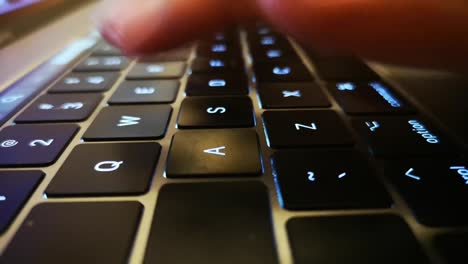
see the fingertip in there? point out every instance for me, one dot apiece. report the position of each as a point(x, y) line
point(125, 24)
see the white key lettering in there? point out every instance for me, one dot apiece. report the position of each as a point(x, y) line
point(217, 83)
point(41, 142)
point(274, 53)
point(108, 166)
point(311, 176)
point(419, 128)
point(11, 99)
point(128, 121)
point(216, 110)
point(73, 106)
point(112, 61)
point(155, 68)
point(216, 151)
point(9, 143)
point(72, 80)
point(373, 125)
point(92, 62)
point(292, 94)
point(267, 41)
point(95, 79)
point(342, 175)
point(410, 174)
point(281, 70)
point(46, 107)
point(462, 171)
point(216, 63)
point(312, 126)
point(219, 48)
point(144, 90)
point(346, 86)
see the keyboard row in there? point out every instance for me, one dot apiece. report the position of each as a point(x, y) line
point(109, 169)
point(387, 137)
point(244, 227)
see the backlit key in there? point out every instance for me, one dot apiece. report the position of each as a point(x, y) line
point(29, 145)
point(217, 84)
point(102, 63)
point(301, 128)
point(402, 136)
point(60, 108)
point(282, 72)
point(368, 98)
point(291, 95)
point(214, 153)
point(15, 189)
point(436, 190)
point(327, 180)
point(163, 70)
point(85, 82)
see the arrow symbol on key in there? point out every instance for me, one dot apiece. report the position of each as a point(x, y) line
point(408, 173)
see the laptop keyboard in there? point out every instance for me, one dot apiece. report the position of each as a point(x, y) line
point(241, 148)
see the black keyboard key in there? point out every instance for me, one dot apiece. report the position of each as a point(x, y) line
point(30, 145)
point(327, 180)
point(60, 108)
point(57, 233)
point(85, 82)
point(401, 137)
point(278, 51)
point(106, 169)
point(368, 98)
point(105, 49)
point(179, 54)
point(155, 91)
point(215, 65)
point(212, 223)
point(305, 128)
point(209, 153)
point(344, 69)
point(435, 190)
point(274, 54)
point(384, 239)
point(230, 36)
point(15, 189)
point(216, 112)
point(260, 41)
point(219, 43)
point(163, 70)
point(217, 84)
point(291, 95)
point(219, 49)
point(282, 72)
point(130, 122)
point(102, 63)
point(453, 247)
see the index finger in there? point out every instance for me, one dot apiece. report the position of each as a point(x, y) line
point(146, 26)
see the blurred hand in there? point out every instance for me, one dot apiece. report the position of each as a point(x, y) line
point(431, 33)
